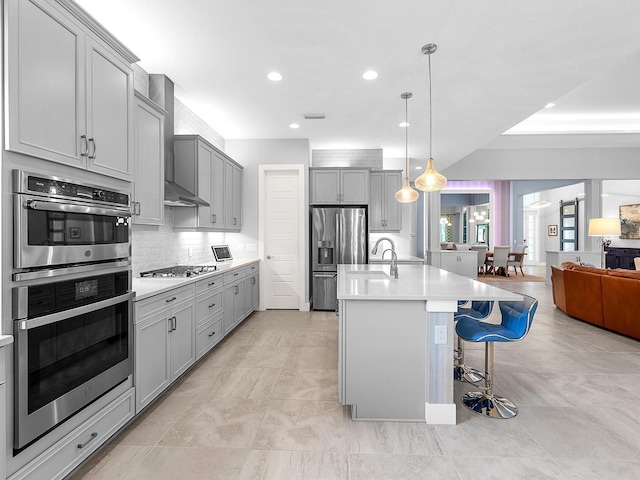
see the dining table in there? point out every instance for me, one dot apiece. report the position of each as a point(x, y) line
point(513, 256)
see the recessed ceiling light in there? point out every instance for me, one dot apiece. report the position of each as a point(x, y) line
point(274, 76)
point(370, 75)
point(418, 168)
point(550, 105)
point(294, 125)
point(404, 124)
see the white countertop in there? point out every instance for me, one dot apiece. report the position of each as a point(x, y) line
point(415, 282)
point(5, 340)
point(401, 259)
point(145, 287)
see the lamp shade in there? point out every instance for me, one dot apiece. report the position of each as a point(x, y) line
point(604, 226)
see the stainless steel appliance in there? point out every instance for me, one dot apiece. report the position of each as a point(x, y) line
point(71, 299)
point(59, 222)
point(338, 236)
point(180, 271)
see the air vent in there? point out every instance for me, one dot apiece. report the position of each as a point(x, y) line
point(314, 116)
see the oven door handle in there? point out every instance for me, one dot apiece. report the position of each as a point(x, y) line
point(70, 208)
point(58, 316)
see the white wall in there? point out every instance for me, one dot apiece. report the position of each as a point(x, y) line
point(251, 153)
point(620, 192)
point(547, 163)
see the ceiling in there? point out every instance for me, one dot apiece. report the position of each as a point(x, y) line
point(498, 62)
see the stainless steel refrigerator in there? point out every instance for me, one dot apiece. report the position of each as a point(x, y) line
point(338, 235)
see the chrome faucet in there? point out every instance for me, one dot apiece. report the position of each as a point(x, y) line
point(394, 258)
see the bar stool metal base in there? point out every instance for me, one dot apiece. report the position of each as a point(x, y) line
point(462, 373)
point(489, 405)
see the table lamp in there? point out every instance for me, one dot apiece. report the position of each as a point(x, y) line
point(604, 227)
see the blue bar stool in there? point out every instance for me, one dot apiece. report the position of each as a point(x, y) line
point(517, 318)
point(477, 311)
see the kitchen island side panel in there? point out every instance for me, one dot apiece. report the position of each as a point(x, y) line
point(383, 357)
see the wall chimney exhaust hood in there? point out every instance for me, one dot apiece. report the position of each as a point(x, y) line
point(161, 92)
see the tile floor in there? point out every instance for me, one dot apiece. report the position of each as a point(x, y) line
point(263, 405)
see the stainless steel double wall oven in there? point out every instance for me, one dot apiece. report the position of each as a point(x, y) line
point(72, 299)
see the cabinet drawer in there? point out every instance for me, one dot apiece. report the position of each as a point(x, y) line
point(207, 306)
point(209, 284)
point(208, 335)
point(232, 276)
point(68, 453)
point(160, 302)
point(251, 269)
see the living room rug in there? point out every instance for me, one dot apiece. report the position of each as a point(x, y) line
point(511, 278)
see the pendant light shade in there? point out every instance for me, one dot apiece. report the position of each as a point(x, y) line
point(430, 180)
point(406, 194)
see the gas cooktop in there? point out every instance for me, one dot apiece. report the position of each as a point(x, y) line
point(180, 271)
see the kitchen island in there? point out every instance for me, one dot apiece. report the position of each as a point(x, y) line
point(396, 340)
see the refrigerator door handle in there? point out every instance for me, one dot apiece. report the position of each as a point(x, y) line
point(326, 275)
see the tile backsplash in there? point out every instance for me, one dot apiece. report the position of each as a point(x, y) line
point(158, 247)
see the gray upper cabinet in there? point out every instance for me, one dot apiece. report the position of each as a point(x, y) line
point(148, 187)
point(214, 177)
point(70, 89)
point(331, 186)
point(385, 212)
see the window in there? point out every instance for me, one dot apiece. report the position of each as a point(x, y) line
point(569, 225)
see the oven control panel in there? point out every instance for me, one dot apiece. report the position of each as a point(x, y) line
point(57, 187)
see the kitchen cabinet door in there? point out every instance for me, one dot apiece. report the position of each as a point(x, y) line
point(377, 202)
point(109, 113)
point(148, 185)
point(205, 158)
point(182, 340)
point(255, 292)
point(325, 187)
point(70, 95)
point(217, 191)
point(45, 111)
point(393, 208)
point(234, 306)
point(152, 371)
point(232, 196)
point(354, 187)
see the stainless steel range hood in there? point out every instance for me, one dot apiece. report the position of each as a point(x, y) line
point(175, 195)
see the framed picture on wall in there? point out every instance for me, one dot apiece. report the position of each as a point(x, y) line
point(552, 230)
point(630, 221)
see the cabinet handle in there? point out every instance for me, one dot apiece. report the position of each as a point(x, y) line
point(85, 144)
point(212, 334)
point(136, 208)
point(235, 221)
point(93, 436)
point(171, 299)
point(170, 321)
point(236, 274)
point(212, 305)
point(237, 289)
point(253, 280)
point(214, 218)
point(93, 155)
point(212, 283)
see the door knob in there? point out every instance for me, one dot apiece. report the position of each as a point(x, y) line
point(268, 257)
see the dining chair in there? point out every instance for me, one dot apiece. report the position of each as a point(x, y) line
point(482, 257)
point(516, 260)
point(500, 259)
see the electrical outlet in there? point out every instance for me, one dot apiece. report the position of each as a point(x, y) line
point(441, 335)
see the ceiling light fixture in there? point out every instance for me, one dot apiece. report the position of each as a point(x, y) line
point(540, 204)
point(294, 125)
point(550, 105)
point(370, 75)
point(274, 76)
point(430, 180)
point(406, 194)
point(404, 124)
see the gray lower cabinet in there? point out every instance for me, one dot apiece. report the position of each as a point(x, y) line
point(234, 303)
point(209, 311)
point(347, 186)
point(385, 212)
point(461, 262)
point(164, 342)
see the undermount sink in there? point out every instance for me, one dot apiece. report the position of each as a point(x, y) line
point(368, 275)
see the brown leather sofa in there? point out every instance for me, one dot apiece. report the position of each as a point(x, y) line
point(607, 298)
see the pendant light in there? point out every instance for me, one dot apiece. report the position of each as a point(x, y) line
point(430, 180)
point(406, 194)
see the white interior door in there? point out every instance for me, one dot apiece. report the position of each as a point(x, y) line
point(283, 288)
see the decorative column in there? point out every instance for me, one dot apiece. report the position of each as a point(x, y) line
point(592, 209)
